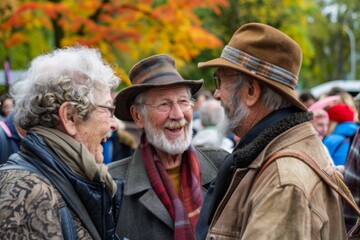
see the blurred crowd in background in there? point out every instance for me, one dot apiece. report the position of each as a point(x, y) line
point(335, 119)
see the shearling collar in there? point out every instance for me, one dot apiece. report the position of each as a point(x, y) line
point(252, 145)
point(265, 131)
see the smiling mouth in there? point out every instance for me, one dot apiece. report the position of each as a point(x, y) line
point(176, 125)
point(174, 128)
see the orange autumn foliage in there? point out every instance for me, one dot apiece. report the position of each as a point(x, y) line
point(123, 30)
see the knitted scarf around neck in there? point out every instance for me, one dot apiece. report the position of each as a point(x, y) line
point(76, 156)
point(184, 208)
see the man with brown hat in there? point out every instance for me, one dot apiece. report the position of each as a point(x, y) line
point(166, 177)
point(256, 78)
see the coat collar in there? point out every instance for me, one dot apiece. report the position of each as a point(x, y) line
point(136, 178)
point(273, 125)
point(284, 140)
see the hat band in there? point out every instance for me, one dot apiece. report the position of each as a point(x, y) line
point(260, 67)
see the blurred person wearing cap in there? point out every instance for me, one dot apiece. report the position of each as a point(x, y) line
point(166, 177)
point(342, 129)
point(256, 79)
point(352, 173)
point(345, 97)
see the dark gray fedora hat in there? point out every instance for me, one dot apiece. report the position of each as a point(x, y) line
point(155, 71)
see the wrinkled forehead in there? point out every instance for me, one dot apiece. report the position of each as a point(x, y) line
point(169, 92)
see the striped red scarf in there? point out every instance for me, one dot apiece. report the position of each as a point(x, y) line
point(184, 208)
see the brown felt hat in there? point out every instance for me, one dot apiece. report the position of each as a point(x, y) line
point(155, 71)
point(267, 54)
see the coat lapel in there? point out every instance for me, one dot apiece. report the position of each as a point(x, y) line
point(151, 201)
point(138, 181)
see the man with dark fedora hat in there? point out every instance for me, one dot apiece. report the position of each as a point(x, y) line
point(166, 177)
point(256, 78)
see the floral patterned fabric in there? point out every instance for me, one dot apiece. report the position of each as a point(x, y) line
point(30, 208)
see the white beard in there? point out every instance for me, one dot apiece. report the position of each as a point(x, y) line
point(158, 139)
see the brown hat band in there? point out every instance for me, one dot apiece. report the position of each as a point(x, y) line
point(260, 67)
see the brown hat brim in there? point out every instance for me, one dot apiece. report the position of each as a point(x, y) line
point(125, 98)
point(285, 91)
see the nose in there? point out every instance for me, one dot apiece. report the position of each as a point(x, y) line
point(113, 124)
point(217, 94)
point(176, 112)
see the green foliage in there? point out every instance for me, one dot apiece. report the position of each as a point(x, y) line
point(3, 89)
point(288, 16)
point(122, 30)
point(331, 42)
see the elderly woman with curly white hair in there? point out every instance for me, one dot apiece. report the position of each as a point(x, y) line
point(56, 186)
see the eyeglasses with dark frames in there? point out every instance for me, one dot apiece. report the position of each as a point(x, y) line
point(111, 109)
point(217, 79)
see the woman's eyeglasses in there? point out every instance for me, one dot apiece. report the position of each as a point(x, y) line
point(111, 109)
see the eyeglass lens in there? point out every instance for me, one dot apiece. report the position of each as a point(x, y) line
point(217, 81)
point(110, 109)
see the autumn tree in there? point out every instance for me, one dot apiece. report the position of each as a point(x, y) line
point(289, 16)
point(123, 30)
point(189, 30)
point(332, 35)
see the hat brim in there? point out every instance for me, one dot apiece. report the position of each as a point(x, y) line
point(285, 91)
point(125, 97)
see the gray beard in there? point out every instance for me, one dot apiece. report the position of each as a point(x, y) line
point(230, 123)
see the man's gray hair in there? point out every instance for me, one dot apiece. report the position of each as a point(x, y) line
point(75, 74)
point(269, 98)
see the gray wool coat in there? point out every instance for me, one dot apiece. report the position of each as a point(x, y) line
point(142, 215)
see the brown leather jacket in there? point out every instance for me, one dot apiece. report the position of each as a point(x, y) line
point(288, 201)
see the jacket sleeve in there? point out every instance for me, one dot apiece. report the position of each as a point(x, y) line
point(29, 207)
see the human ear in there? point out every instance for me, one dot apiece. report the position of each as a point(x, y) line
point(253, 93)
point(137, 116)
point(67, 118)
